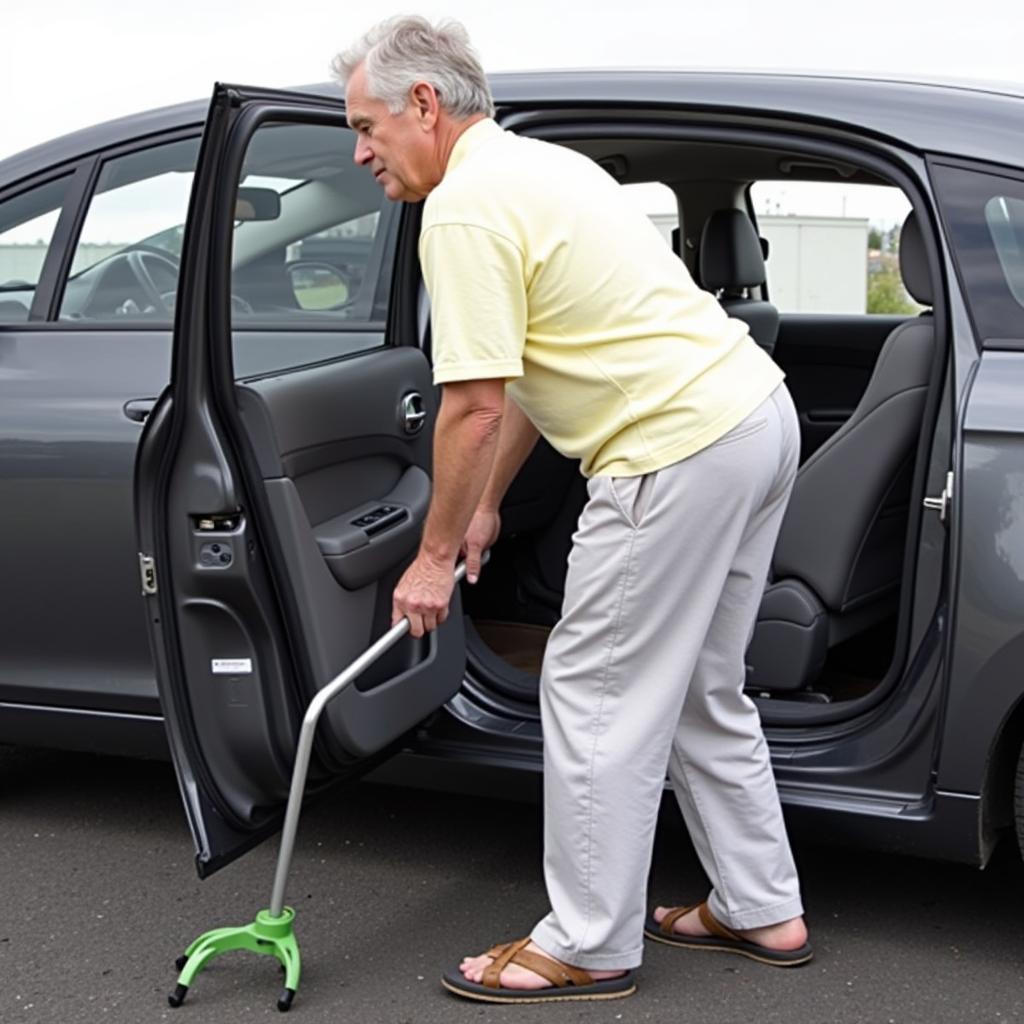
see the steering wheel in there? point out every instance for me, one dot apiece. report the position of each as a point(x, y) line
point(136, 259)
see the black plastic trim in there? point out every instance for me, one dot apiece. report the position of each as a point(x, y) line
point(85, 729)
point(62, 244)
point(1004, 344)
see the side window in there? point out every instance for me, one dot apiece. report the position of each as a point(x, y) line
point(984, 215)
point(27, 223)
point(125, 265)
point(833, 247)
point(659, 202)
point(312, 249)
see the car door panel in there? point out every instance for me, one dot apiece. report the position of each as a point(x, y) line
point(72, 633)
point(340, 450)
point(253, 494)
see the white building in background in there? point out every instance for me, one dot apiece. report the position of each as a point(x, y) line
point(817, 264)
point(23, 262)
point(814, 265)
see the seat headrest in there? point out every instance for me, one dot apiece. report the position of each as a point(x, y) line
point(730, 252)
point(914, 261)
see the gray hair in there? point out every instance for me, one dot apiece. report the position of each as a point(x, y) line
point(402, 51)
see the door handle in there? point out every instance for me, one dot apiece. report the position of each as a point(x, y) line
point(412, 413)
point(139, 408)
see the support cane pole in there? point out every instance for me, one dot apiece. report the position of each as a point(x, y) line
point(272, 932)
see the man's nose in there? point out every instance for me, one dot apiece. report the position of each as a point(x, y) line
point(363, 154)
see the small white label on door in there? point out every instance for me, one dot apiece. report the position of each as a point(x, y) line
point(231, 666)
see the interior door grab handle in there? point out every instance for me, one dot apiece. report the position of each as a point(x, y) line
point(412, 413)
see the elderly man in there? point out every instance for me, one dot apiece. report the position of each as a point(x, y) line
point(556, 308)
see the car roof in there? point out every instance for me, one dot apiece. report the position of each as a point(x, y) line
point(971, 120)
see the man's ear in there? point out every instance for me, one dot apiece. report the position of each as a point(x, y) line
point(425, 103)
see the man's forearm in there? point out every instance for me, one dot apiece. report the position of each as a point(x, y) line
point(517, 440)
point(465, 443)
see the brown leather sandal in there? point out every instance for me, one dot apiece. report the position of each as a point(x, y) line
point(722, 939)
point(567, 982)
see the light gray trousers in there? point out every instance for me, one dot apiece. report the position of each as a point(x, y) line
point(644, 673)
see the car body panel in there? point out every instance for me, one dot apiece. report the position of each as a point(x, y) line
point(988, 626)
point(73, 631)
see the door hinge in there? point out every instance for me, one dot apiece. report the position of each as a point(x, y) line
point(941, 503)
point(147, 570)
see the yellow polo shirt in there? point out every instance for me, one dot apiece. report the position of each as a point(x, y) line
point(541, 271)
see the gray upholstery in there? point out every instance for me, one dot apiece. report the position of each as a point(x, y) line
point(845, 527)
point(842, 488)
point(791, 638)
point(730, 253)
point(914, 262)
point(732, 260)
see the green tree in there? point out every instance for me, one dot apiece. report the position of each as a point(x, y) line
point(874, 237)
point(886, 293)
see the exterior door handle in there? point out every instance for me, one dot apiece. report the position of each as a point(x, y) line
point(139, 408)
point(412, 413)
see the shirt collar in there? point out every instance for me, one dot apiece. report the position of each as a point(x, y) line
point(475, 136)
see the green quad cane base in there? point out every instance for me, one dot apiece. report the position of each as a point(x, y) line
point(271, 936)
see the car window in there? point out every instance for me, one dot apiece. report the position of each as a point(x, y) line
point(984, 215)
point(27, 223)
point(833, 247)
point(1004, 216)
point(659, 202)
point(311, 246)
point(312, 250)
point(125, 265)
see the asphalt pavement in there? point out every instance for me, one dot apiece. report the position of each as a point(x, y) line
point(392, 885)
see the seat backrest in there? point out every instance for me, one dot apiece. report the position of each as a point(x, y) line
point(845, 526)
point(732, 261)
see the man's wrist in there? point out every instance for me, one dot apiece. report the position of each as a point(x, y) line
point(440, 554)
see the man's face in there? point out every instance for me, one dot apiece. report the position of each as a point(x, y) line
point(396, 147)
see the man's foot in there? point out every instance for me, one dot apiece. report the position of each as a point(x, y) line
point(784, 936)
point(516, 977)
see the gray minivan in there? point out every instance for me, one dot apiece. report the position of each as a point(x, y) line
point(218, 299)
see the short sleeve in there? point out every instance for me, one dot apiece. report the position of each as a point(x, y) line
point(475, 280)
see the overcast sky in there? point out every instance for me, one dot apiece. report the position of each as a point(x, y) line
point(71, 63)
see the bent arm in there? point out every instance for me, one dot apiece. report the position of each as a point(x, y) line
point(518, 438)
point(465, 444)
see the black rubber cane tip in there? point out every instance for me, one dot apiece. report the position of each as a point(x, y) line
point(180, 962)
point(177, 997)
point(284, 1000)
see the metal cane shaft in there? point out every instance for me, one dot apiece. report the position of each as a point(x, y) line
point(305, 748)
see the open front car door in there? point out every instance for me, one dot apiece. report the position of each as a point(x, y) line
point(283, 477)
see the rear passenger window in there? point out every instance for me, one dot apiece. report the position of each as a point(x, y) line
point(984, 215)
point(1005, 219)
point(833, 247)
point(312, 249)
point(27, 223)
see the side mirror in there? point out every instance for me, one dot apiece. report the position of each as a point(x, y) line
point(257, 204)
point(317, 285)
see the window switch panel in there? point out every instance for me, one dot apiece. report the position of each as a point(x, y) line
point(380, 518)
